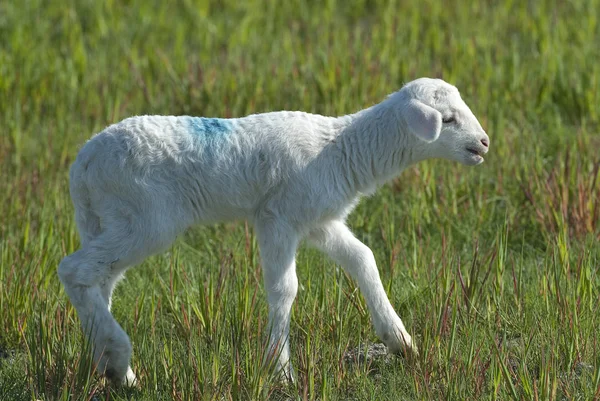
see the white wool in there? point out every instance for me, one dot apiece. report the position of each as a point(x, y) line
point(141, 182)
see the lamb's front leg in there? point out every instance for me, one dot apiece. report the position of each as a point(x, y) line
point(337, 241)
point(278, 250)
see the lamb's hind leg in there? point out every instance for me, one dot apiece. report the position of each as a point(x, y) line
point(88, 276)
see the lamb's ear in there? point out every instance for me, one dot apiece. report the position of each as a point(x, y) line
point(423, 121)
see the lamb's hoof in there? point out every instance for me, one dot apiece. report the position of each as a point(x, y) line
point(401, 344)
point(129, 380)
point(285, 376)
point(410, 350)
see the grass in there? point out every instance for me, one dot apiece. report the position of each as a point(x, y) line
point(493, 269)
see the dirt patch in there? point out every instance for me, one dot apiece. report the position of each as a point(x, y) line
point(368, 353)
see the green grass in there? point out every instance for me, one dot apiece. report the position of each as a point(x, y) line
point(493, 269)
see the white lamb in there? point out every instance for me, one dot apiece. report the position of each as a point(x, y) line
point(141, 182)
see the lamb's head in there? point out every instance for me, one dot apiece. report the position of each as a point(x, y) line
point(434, 112)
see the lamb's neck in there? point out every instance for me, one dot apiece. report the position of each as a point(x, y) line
point(375, 147)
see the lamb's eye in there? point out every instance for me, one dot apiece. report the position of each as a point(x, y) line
point(448, 120)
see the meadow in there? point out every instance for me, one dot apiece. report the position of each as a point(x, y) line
point(493, 269)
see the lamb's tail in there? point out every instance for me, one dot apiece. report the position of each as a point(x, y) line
point(88, 222)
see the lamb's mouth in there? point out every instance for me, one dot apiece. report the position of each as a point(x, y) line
point(474, 151)
point(478, 155)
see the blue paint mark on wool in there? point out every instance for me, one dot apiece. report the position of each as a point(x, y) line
point(208, 128)
point(210, 132)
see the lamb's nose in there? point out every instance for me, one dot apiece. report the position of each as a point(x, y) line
point(485, 142)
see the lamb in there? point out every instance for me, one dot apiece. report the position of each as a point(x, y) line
point(141, 182)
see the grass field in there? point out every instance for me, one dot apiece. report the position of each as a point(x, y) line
point(493, 269)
